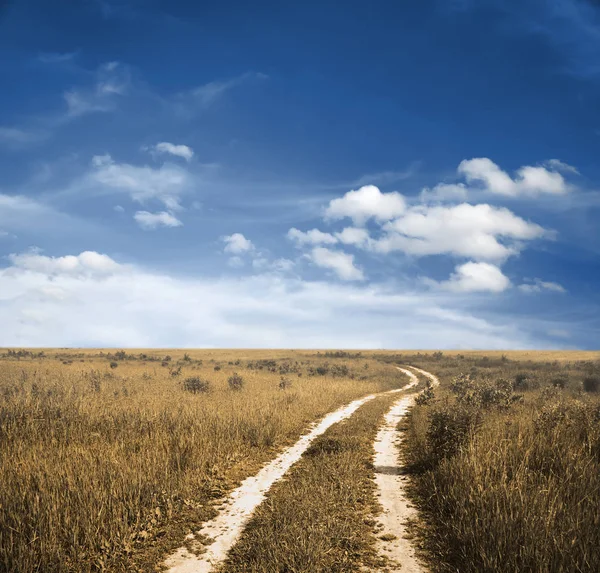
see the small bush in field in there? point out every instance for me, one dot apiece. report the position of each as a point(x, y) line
point(450, 429)
point(196, 385)
point(285, 383)
point(114, 364)
point(426, 396)
point(235, 381)
point(339, 370)
point(591, 383)
point(217, 368)
point(483, 393)
point(521, 381)
point(560, 381)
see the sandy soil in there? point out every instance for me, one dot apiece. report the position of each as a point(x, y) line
point(391, 486)
point(225, 529)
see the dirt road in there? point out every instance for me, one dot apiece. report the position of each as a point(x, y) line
point(225, 529)
point(391, 486)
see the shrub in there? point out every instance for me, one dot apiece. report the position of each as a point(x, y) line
point(339, 370)
point(521, 381)
point(186, 357)
point(560, 381)
point(217, 368)
point(426, 396)
point(449, 430)
point(196, 385)
point(483, 393)
point(114, 364)
point(235, 381)
point(591, 383)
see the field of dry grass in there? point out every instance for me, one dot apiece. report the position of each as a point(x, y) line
point(107, 459)
point(505, 462)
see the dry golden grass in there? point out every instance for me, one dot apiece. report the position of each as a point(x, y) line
point(107, 468)
point(320, 518)
point(509, 484)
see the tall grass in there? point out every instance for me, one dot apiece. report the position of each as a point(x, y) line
point(106, 468)
point(509, 480)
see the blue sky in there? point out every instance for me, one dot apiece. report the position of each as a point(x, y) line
point(314, 174)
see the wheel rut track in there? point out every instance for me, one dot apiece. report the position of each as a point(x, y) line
point(391, 488)
point(225, 529)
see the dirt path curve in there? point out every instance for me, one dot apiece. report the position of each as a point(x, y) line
point(391, 486)
point(227, 526)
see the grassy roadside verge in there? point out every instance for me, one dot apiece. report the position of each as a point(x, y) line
point(319, 519)
point(506, 468)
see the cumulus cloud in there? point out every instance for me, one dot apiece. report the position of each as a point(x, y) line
point(86, 263)
point(312, 237)
point(356, 236)
point(538, 285)
point(342, 264)
point(473, 231)
point(182, 151)
point(151, 221)
point(476, 277)
point(366, 203)
point(528, 181)
point(165, 184)
point(237, 244)
point(88, 301)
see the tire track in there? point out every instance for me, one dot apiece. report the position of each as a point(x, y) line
point(225, 529)
point(391, 486)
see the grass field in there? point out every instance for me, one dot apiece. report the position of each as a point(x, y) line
point(109, 458)
point(505, 461)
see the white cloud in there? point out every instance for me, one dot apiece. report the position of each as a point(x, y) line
point(151, 221)
point(237, 244)
point(341, 263)
point(143, 183)
point(312, 237)
point(476, 277)
point(86, 263)
point(366, 203)
point(474, 231)
point(354, 236)
point(182, 151)
point(89, 302)
point(281, 265)
point(444, 192)
point(558, 165)
point(528, 181)
point(539, 285)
